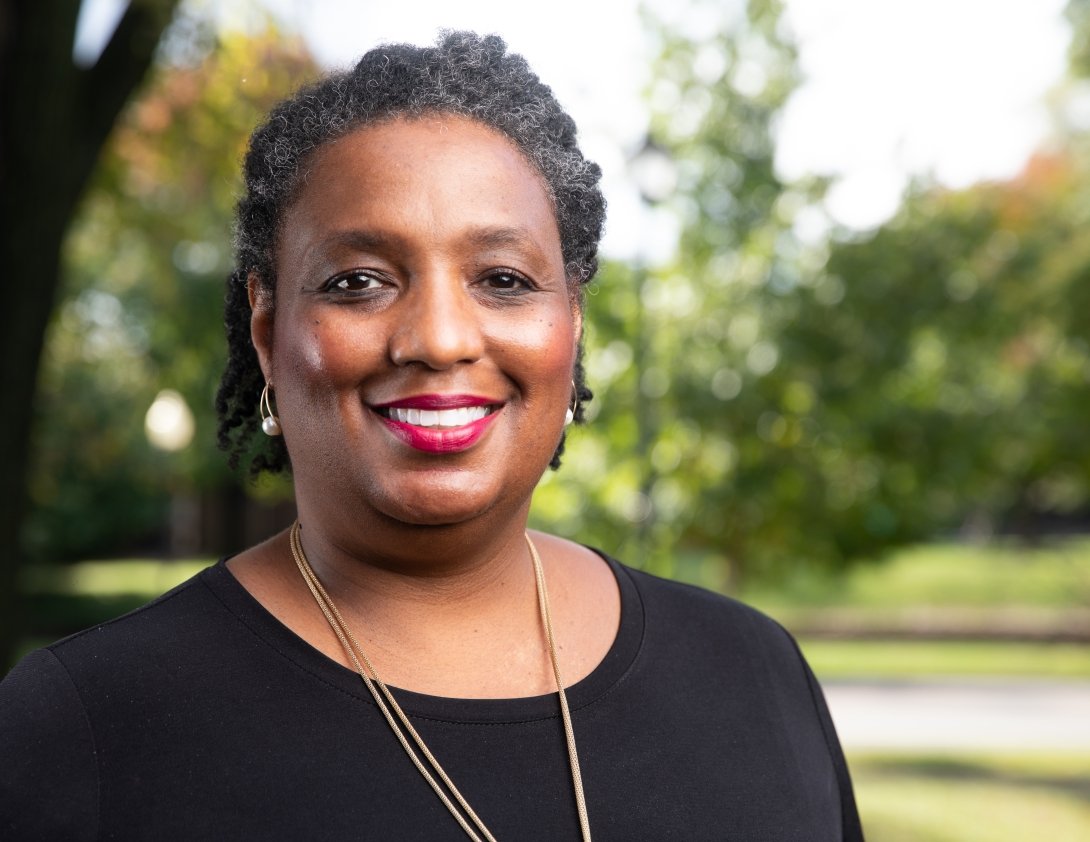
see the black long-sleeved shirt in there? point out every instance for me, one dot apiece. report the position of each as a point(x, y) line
point(200, 716)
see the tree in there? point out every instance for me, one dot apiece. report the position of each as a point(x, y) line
point(956, 358)
point(878, 389)
point(702, 482)
point(817, 403)
point(142, 307)
point(54, 118)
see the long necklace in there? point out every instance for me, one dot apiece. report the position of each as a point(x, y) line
point(396, 717)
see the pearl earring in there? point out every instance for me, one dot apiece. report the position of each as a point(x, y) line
point(573, 407)
point(270, 424)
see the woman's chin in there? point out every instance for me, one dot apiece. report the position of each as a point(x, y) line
point(436, 509)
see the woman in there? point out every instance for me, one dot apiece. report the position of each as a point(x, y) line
point(405, 322)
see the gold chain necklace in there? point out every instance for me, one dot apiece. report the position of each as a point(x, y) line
point(385, 700)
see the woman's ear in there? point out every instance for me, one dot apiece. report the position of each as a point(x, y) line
point(577, 324)
point(261, 322)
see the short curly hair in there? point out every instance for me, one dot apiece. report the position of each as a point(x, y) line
point(463, 74)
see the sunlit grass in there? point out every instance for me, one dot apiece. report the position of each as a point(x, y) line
point(973, 798)
point(1056, 575)
point(900, 658)
point(137, 577)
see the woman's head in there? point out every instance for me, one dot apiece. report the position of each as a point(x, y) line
point(464, 76)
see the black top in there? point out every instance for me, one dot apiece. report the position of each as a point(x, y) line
point(201, 716)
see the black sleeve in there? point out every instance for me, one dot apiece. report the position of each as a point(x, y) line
point(48, 769)
point(852, 828)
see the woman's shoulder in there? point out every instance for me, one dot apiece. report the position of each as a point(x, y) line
point(159, 629)
point(58, 701)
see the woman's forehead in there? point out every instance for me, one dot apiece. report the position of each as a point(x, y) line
point(434, 175)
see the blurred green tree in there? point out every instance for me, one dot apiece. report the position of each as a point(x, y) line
point(54, 118)
point(692, 346)
point(142, 309)
point(1077, 13)
point(816, 402)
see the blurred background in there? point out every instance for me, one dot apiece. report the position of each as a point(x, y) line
point(840, 342)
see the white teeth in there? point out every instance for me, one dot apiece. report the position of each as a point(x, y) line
point(439, 418)
point(453, 417)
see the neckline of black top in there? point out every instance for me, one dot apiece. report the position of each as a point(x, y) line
point(612, 670)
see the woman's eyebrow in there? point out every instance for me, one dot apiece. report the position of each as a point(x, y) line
point(504, 237)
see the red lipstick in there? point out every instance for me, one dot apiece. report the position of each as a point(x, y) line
point(402, 417)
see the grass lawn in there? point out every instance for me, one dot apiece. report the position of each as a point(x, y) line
point(973, 798)
point(143, 578)
point(901, 658)
point(1056, 575)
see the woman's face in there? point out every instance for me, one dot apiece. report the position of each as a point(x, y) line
point(423, 337)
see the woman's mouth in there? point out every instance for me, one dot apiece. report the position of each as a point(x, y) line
point(436, 417)
point(439, 423)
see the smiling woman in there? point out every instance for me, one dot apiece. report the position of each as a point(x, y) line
point(407, 661)
point(420, 274)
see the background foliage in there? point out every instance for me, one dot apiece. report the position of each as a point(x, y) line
point(819, 400)
point(143, 301)
point(768, 400)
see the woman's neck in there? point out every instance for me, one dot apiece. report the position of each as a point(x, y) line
point(429, 585)
point(435, 612)
point(446, 611)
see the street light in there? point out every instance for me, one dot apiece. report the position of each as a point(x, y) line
point(168, 423)
point(169, 427)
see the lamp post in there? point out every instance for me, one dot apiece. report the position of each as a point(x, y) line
point(653, 172)
point(169, 426)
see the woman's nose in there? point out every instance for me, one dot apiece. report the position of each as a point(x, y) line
point(438, 324)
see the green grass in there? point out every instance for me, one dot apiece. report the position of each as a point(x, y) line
point(145, 578)
point(973, 798)
point(949, 591)
point(901, 658)
point(944, 575)
point(63, 599)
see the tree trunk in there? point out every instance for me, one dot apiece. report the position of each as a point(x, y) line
point(54, 119)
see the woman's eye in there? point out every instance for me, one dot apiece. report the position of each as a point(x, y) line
point(353, 282)
point(507, 282)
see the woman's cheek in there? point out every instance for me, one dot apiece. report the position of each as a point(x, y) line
point(333, 352)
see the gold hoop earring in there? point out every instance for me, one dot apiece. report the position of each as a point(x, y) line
point(573, 407)
point(270, 424)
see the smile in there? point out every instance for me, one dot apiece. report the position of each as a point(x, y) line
point(442, 418)
point(439, 423)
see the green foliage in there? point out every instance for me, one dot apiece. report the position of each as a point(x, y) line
point(763, 405)
point(813, 404)
point(953, 365)
point(679, 354)
point(1077, 13)
point(145, 265)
